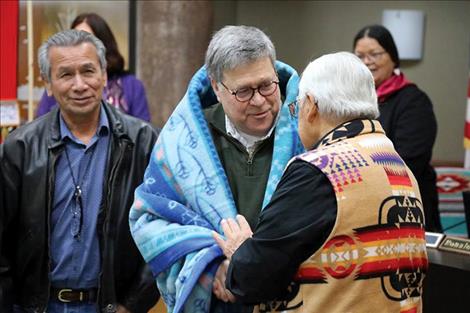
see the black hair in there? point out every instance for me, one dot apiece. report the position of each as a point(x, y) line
point(383, 37)
point(102, 31)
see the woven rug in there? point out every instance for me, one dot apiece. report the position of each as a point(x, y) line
point(451, 181)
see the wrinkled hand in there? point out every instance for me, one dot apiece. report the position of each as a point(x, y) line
point(235, 234)
point(218, 288)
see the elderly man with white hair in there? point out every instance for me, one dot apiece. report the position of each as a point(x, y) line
point(344, 231)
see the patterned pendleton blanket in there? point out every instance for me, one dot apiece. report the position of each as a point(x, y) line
point(185, 194)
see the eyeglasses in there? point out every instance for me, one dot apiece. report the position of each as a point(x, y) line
point(374, 56)
point(294, 107)
point(245, 94)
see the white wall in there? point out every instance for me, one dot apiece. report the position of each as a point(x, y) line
point(302, 30)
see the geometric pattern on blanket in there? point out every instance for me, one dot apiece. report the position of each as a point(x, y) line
point(451, 182)
point(185, 194)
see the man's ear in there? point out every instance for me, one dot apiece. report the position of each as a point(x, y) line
point(215, 87)
point(105, 77)
point(312, 112)
point(47, 83)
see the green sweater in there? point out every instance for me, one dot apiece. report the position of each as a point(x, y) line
point(247, 175)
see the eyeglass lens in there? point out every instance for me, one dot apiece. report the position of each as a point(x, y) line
point(374, 56)
point(245, 94)
point(294, 108)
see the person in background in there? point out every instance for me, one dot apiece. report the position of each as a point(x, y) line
point(123, 90)
point(346, 218)
point(406, 113)
point(67, 186)
point(222, 152)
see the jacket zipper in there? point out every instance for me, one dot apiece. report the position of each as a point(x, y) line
point(51, 188)
point(106, 206)
point(249, 163)
point(251, 156)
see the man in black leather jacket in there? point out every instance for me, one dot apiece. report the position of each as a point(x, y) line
point(74, 68)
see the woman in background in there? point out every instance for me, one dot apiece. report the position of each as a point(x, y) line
point(123, 90)
point(406, 113)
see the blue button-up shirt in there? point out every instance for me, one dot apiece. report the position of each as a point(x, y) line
point(75, 260)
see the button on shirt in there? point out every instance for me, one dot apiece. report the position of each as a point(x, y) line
point(75, 260)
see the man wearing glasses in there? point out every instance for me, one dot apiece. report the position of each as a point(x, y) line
point(347, 216)
point(242, 123)
point(221, 153)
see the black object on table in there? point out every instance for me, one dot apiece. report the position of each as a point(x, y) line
point(447, 283)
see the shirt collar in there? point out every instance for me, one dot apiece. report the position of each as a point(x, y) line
point(248, 141)
point(101, 130)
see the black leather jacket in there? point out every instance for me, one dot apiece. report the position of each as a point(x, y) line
point(28, 158)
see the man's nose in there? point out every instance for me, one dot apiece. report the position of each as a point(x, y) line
point(257, 98)
point(79, 83)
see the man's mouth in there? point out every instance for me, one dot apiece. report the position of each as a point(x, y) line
point(261, 115)
point(81, 99)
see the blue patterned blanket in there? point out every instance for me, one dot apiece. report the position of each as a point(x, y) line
point(185, 194)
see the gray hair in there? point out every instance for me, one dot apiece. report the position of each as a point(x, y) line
point(232, 46)
point(68, 38)
point(342, 86)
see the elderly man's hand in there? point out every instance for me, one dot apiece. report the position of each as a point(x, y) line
point(218, 288)
point(235, 234)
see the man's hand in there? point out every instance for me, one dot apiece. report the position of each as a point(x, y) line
point(235, 234)
point(218, 288)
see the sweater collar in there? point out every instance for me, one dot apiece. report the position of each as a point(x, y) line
point(248, 141)
point(350, 129)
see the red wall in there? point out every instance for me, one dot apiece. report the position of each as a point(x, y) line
point(9, 48)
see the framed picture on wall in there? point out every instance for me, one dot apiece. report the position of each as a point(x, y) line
point(9, 113)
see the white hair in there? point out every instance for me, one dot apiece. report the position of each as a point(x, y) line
point(68, 38)
point(342, 86)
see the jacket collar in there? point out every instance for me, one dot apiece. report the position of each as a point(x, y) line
point(115, 123)
point(350, 129)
